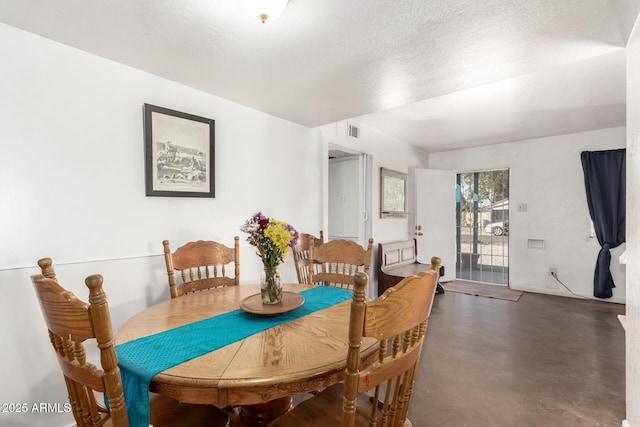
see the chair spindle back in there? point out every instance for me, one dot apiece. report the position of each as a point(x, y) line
point(71, 322)
point(398, 320)
point(301, 255)
point(336, 262)
point(202, 265)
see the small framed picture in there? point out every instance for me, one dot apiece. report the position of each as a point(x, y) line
point(393, 194)
point(179, 153)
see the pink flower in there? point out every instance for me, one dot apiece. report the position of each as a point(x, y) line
point(261, 220)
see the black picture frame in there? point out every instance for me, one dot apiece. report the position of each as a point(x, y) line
point(179, 153)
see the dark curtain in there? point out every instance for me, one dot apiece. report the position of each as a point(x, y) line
point(605, 181)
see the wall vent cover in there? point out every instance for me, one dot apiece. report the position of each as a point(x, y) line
point(354, 131)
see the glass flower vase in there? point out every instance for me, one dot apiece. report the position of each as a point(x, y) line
point(271, 286)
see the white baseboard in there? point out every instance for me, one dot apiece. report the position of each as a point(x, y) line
point(625, 423)
point(560, 293)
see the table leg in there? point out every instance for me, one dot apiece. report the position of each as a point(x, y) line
point(261, 414)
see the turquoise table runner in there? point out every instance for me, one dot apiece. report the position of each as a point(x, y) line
point(141, 359)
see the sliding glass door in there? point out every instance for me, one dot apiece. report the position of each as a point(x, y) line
point(482, 226)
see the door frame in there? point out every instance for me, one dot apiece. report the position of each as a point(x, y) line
point(475, 239)
point(364, 205)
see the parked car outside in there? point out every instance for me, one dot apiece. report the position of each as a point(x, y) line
point(497, 228)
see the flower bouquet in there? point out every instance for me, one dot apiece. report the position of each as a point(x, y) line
point(272, 238)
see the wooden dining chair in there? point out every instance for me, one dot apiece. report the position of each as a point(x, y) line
point(301, 254)
point(334, 263)
point(71, 322)
point(202, 265)
point(380, 394)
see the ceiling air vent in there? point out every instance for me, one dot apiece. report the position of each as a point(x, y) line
point(354, 131)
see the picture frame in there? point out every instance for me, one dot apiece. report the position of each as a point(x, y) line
point(179, 153)
point(393, 194)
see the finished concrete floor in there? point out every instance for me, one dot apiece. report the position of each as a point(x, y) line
point(541, 361)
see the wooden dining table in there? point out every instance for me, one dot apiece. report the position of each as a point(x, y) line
point(259, 374)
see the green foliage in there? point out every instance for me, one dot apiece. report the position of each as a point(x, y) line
point(493, 186)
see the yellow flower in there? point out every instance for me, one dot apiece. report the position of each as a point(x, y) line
point(272, 238)
point(279, 235)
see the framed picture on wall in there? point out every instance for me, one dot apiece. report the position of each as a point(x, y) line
point(179, 153)
point(393, 194)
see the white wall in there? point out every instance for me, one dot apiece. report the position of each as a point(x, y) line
point(546, 174)
point(633, 229)
point(72, 186)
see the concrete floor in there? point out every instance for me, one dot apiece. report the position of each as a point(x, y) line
point(541, 361)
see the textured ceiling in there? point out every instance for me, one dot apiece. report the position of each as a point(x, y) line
point(437, 74)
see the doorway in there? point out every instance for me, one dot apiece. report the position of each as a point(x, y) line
point(348, 196)
point(482, 226)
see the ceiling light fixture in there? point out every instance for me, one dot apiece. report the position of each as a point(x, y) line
point(264, 10)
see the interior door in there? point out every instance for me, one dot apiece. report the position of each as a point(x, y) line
point(435, 218)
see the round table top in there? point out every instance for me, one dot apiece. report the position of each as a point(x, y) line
point(299, 356)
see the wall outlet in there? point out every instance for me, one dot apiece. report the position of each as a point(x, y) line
point(553, 271)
